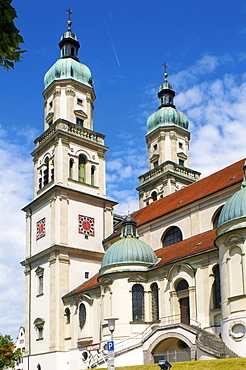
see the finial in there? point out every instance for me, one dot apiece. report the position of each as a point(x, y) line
point(165, 66)
point(244, 179)
point(128, 212)
point(69, 22)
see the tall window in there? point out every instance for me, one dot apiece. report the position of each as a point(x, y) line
point(172, 236)
point(67, 314)
point(41, 284)
point(39, 325)
point(82, 168)
point(71, 162)
point(155, 302)
point(154, 195)
point(93, 175)
point(216, 287)
point(137, 303)
point(82, 315)
point(46, 172)
point(216, 218)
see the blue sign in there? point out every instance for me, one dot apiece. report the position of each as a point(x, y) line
point(110, 345)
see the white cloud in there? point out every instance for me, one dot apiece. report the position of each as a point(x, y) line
point(15, 190)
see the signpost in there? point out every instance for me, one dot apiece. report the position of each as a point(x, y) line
point(110, 343)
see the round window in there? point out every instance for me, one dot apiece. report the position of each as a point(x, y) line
point(182, 345)
point(238, 331)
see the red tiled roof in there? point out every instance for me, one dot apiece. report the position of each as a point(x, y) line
point(186, 248)
point(200, 189)
point(89, 284)
point(211, 184)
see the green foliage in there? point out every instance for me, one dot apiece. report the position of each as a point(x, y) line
point(7, 354)
point(10, 38)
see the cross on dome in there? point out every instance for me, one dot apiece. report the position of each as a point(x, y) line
point(69, 22)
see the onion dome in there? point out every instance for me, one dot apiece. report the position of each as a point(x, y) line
point(128, 251)
point(167, 114)
point(68, 66)
point(235, 207)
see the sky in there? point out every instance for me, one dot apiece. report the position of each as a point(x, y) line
point(124, 43)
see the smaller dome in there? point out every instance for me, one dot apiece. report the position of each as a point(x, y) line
point(68, 68)
point(129, 249)
point(167, 116)
point(235, 207)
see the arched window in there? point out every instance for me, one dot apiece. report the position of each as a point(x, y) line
point(216, 287)
point(46, 172)
point(71, 162)
point(82, 168)
point(67, 314)
point(137, 303)
point(182, 285)
point(172, 236)
point(93, 175)
point(154, 195)
point(155, 302)
point(82, 315)
point(215, 218)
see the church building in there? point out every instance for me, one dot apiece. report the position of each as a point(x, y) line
point(173, 273)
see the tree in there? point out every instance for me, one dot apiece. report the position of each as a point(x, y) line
point(7, 354)
point(9, 36)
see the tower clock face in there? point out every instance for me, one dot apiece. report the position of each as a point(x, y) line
point(40, 228)
point(86, 225)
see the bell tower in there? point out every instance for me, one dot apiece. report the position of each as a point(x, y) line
point(167, 139)
point(70, 214)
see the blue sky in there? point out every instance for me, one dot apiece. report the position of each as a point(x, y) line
point(124, 43)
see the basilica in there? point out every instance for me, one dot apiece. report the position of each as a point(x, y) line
point(172, 274)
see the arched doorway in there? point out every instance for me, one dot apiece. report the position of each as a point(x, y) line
point(172, 349)
point(184, 304)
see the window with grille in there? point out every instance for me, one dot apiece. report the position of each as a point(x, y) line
point(137, 303)
point(82, 315)
point(155, 302)
point(173, 235)
point(216, 287)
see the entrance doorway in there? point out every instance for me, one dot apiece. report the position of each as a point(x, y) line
point(184, 310)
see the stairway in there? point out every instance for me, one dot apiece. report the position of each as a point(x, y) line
point(213, 344)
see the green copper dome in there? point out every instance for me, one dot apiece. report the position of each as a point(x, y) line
point(68, 68)
point(129, 249)
point(235, 207)
point(167, 116)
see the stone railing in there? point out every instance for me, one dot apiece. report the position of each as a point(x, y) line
point(70, 128)
point(169, 166)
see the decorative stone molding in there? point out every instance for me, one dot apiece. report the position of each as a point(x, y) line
point(237, 330)
point(70, 92)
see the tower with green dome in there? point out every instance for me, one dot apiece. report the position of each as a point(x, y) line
point(70, 214)
point(167, 139)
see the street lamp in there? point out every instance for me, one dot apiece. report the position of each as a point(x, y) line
point(164, 364)
point(110, 344)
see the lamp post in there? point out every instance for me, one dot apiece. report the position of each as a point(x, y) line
point(110, 344)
